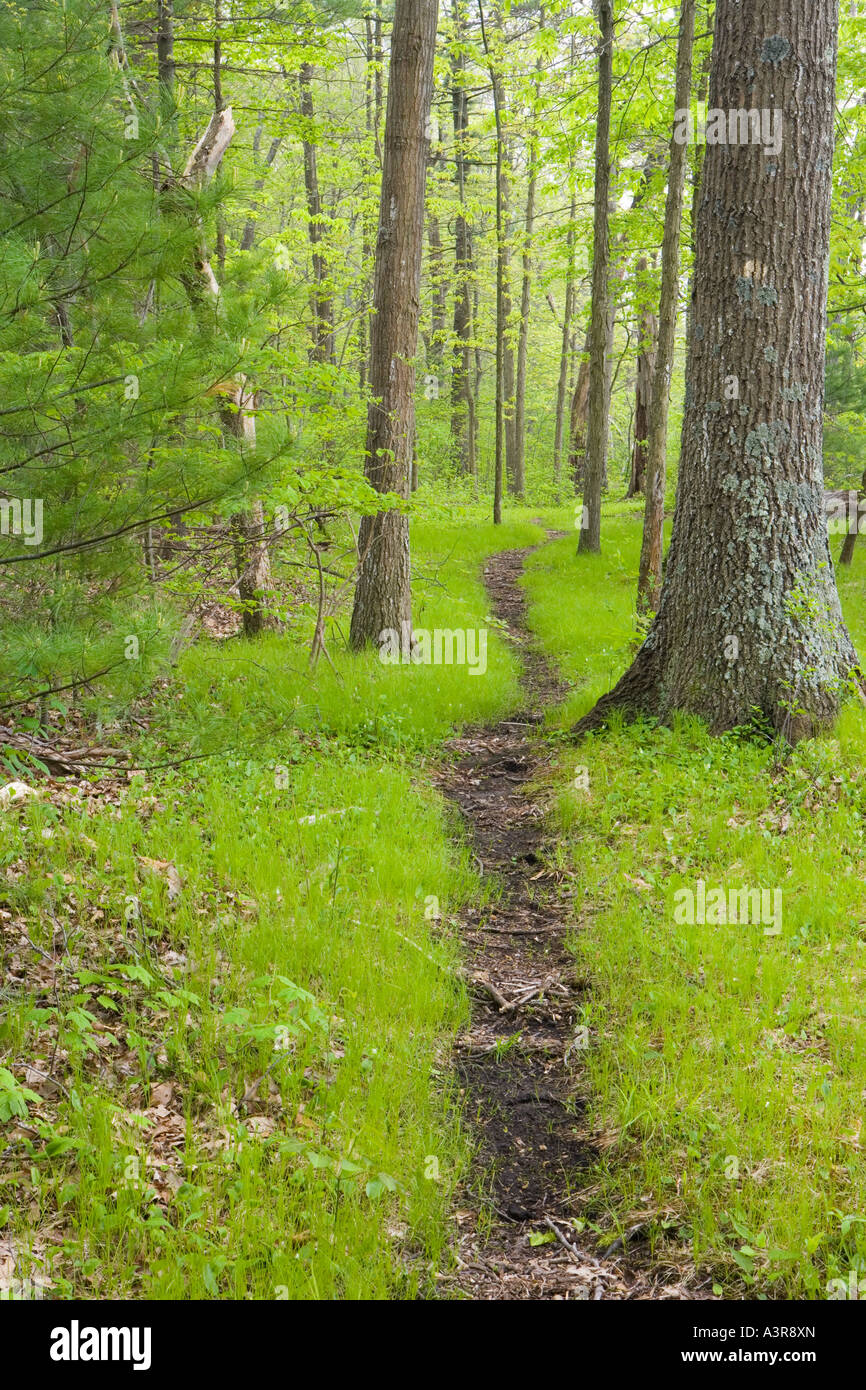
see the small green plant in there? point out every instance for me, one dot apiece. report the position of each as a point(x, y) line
point(14, 1097)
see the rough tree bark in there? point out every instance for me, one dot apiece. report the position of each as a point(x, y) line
point(383, 593)
point(650, 571)
point(749, 622)
point(600, 323)
point(462, 394)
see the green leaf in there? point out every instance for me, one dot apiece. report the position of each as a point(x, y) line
point(541, 1237)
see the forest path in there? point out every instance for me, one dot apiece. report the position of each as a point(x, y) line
point(519, 1062)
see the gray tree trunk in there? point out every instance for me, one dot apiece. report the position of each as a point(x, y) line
point(526, 297)
point(650, 571)
point(749, 621)
point(383, 593)
point(567, 315)
point(462, 394)
point(647, 330)
point(322, 300)
point(502, 295)
point(600, 324)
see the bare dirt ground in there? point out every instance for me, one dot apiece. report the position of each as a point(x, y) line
point(519, 1064)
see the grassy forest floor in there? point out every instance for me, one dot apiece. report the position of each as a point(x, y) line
point(232, 987)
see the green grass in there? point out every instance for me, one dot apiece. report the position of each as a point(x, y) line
point(305, 965)
point(251, 1020)
point(728, 1067)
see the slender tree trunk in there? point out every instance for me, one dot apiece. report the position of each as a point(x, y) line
point(567, 315)
point(322, 301)
point(377, 80)
point(462, 395)
point(249, 232)
point(366, 229)
point(647, 331)
point(749, 622)
point(250, 549)
point(383, 594)
point(501, 319)
point(439, 284)
point(165, 67)
point(252, 560)
point(504, 307)
point(577, 423)
point(165, 73)
point(703, 20)
point(372, 124)
point(600, 324)
point(218, 104)
point(252, 567)
point(650, 573)
point(526, 295)
point(501, 271)
point(438, 276)
point(580, 395)
point(846, 554)
point(505, 328)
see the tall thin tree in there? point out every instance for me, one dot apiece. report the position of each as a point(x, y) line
point(463, 415)
point(502, 299)
point(383, 594)
point(650, 573)
point(601, 322)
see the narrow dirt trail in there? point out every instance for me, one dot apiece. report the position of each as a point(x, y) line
point(519, 1064)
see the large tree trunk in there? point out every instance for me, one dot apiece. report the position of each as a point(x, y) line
point(600, 324)
point(383, 593)
point(462, 394)
point(749, 622)
point(650, 571)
